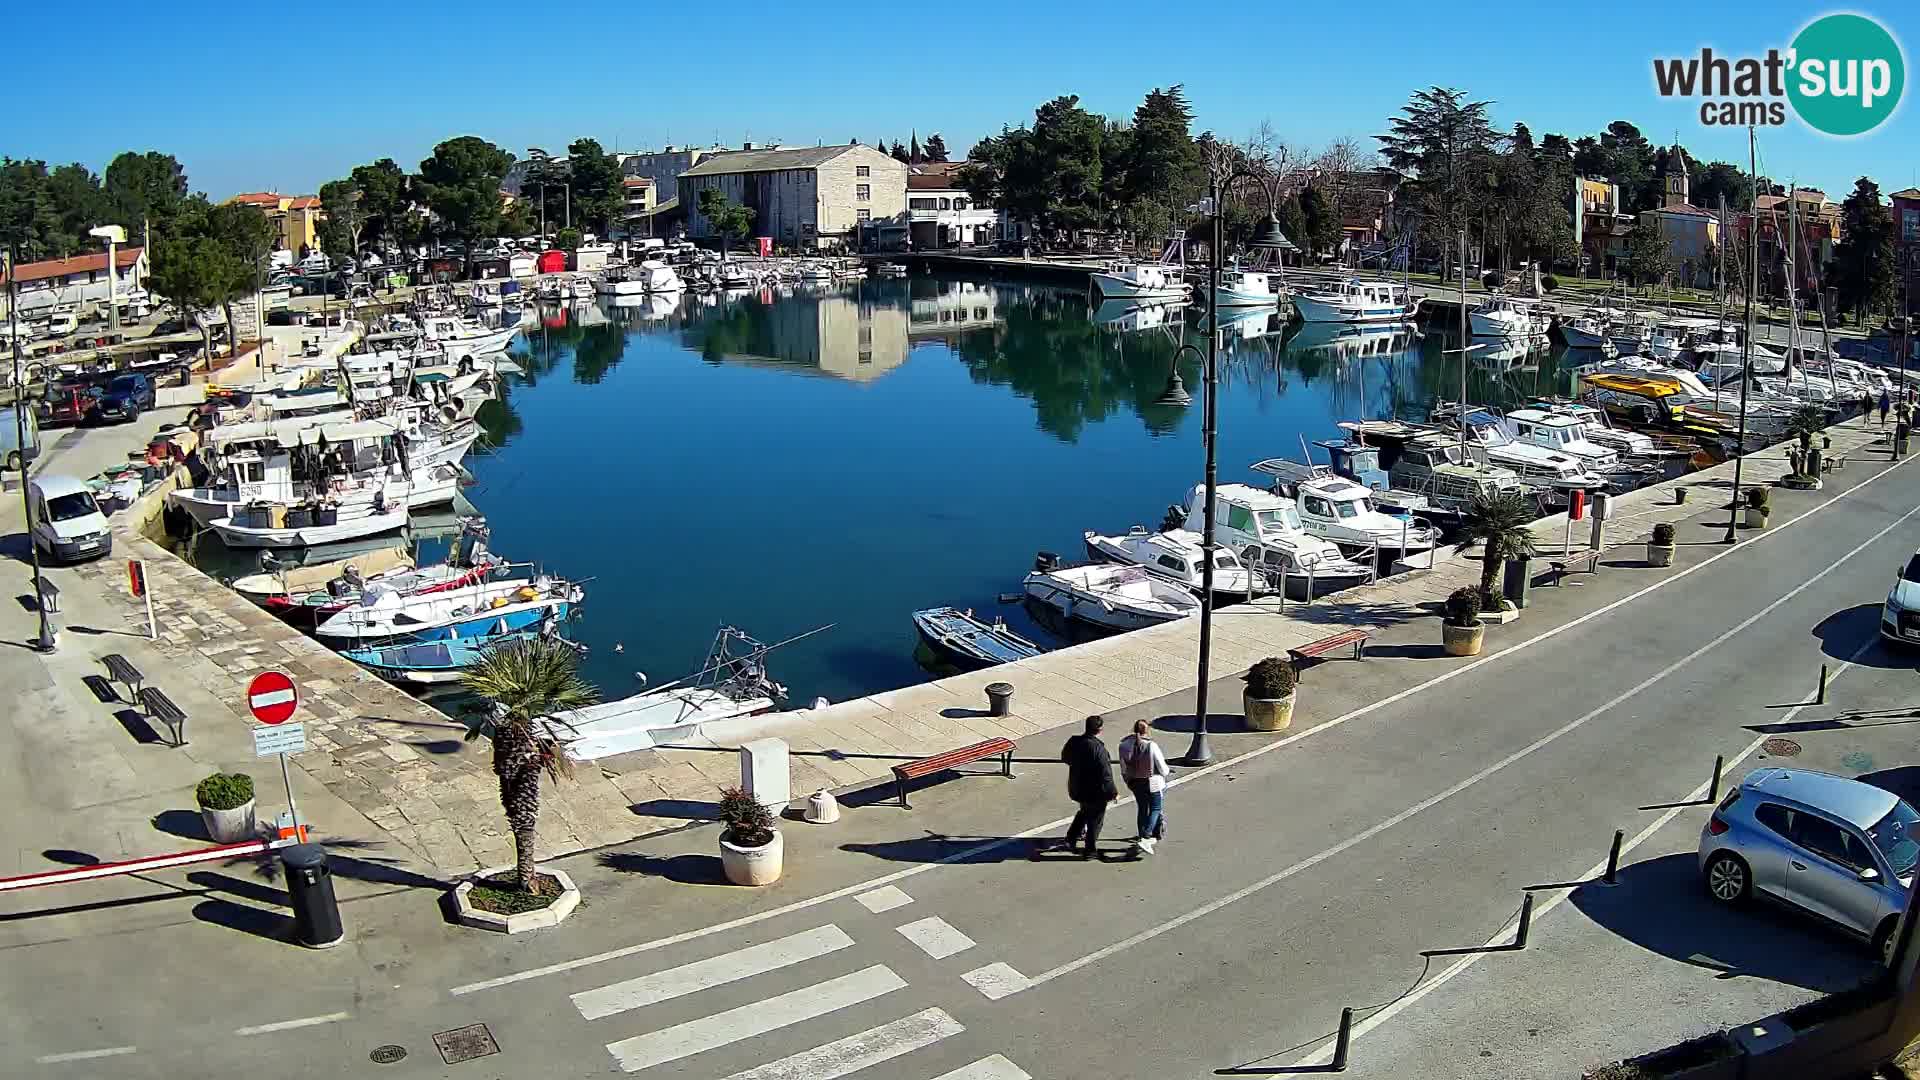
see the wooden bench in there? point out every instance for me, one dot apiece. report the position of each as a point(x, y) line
point(913, 770)
point(1313, 650)
point(158, 706)
point(1565, 566)
point(122, 671)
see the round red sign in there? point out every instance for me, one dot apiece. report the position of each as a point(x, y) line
point(272, 697)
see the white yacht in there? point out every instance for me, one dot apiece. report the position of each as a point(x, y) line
point(1488, 439)
point(1266, 529)
point(1356, 300)
point(657, 277)
point(1175, 555)
point(623, 281)
point(1568, 435)
point(276, 525)
point(1597, 427)
point(1107, 596)
point(1502, 317)
point(1338, 509)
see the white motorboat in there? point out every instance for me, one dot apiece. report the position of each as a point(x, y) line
point(340, 465)
point(819, 270)
point(1338, 509)
point(1420, 460)
point(657, 277)
point(1108, 596)
point(1502, 317)
point(277, 525)
point(1356, 300)
point(1597, 428)
point(1128, 316)
point(493, 607)
point(1176, 555)
point(1568, 435)
point(460, 339)
point(1584, 331)
point(553, 288)
point(1141, 281)
point(1266, 530)
point(580, 288)
point(1489, 440)
point(623, 281)
point(1246, 288)
point(731, 685)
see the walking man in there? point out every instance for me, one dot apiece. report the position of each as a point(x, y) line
point(1089, 783)
point(1886, 403)
point(1866, 402)
point(1145, 767)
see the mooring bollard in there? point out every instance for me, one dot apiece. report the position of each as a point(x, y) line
point(1822, 698)
point(1342, 1040)
point(1713, 793)
point(1612, 876)
point(1526, 922)
point(1679, 495)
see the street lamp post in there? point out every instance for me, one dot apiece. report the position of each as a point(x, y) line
point(1267, 237)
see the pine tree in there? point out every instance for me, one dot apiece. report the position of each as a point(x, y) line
point(936, 148)
point(1863, 262)
point(914, 156)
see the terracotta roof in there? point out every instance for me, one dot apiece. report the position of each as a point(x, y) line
point(638, 181)
point(1683, 209)
point(931, 182)
point(78, 264)
point(257, 198)
point(1910, 193)
point(304, 202)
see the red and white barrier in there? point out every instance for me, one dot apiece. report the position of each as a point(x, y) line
point(150, 862)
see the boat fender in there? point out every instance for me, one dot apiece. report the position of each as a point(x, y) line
point(498, 602)
point(525, 593)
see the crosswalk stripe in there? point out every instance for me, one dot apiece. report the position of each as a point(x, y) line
point(756, 1018)
point(936, 937)
point(855, 1052)
point(995, 1067)
point(884, 898)
point(716, 971)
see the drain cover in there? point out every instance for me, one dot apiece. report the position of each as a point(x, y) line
point(388, 1054)
point(465, 1043)
point(1780, 747)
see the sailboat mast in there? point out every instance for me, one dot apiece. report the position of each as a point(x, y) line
point(1720, 286)
point(1793, 294)
point(1746, 346)
point(1464, 341)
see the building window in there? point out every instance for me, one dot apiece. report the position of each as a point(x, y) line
point(863, 170)
point(863, 192)
point(959, 204)
point(925, 204)
point(863, 215)
point(946, 204)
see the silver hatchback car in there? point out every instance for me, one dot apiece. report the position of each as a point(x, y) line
point(1833, 848)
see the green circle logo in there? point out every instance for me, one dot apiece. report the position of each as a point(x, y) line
point(1847, 74)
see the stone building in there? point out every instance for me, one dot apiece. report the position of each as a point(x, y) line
point(812, 198)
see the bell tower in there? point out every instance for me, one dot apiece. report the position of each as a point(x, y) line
point(1677, 181)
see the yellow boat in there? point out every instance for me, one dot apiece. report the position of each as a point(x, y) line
point(1646, 400)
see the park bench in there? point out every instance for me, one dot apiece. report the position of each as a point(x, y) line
point(158, 706)
point(122, 671)
point(966, 755)
point(1313, 650)
point(1563, 567)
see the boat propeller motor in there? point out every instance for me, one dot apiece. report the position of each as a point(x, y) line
point(1046, 562)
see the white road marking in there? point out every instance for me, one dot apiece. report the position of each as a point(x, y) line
point(967, 854)
point(1432, 800)
point(715, 971)
point(936, 937)
point(996, 981)
point(885, 898)
point(995, 1067)
point(83, 1055)
point(1506, 932)
point(289, 1025)
point(754, 1018)
point(855, 1052)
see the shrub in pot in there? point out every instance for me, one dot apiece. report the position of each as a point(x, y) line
point(1268, 698)
point(1660, 548)
point(750, 845)
point(1759, 505)
point(1460, 628)
point(226, 807)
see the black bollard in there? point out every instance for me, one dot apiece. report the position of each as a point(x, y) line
point(316, 914)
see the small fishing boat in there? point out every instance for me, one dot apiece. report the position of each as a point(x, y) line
point(1176, 555)
point(891, 269)
point(731, 684)
point(1107, 596)
point(277, 525)
point(1336, 508)
point(495, 607)
point(433, 663)
point(1356, 300)
point(1246, 288)
point(1502, 317)
point(962, 640)
point(309, 601)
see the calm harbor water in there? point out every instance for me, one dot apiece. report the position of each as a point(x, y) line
point(781, 460)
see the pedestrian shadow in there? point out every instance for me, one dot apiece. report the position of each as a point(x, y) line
point(680, 869)
point(1661, 906)
point(934, 847)
point(1842, 632)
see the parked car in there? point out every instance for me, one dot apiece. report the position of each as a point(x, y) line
point(1837, 850)
point(67, 402)
point(1900, 611)
point(124, 398)
point(67, 523)
point(14, 452)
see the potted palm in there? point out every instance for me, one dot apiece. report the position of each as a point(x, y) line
point(1268, 698)
point(1759, 505)
point(1660, 548)
point(1500, 522)
point(1460, 628)
point(226, 807)
point(521, 686)
point(750, 847)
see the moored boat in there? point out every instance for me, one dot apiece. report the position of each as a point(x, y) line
point(961, 639)
point(1176, 555)
point(1106, 596)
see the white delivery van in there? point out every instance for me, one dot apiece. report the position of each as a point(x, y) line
point(67, 524)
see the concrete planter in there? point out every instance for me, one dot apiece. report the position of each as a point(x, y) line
point(1268, 714)
point(752, 865)
point(1660, 554)
point(551, 915)
point(1463, 640)
point(231, 826)
point(1756, 518)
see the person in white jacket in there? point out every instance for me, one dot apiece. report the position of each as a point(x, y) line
point(1145, 768)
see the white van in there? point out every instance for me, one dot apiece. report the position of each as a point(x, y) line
point(67, 524)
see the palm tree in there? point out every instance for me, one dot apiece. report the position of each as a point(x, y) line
point(1499, 521)
point(526, 682)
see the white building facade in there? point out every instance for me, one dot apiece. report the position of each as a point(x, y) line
point(940, 213)
point(810, 198)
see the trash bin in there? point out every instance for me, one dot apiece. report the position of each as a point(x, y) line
point(316, 914)
point(1514, 587)
point(1679, 495)
point(1000, 699)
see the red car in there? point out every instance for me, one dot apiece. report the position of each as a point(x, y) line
point(67, 403)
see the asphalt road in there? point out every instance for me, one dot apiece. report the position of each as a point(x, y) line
point(1295, 882)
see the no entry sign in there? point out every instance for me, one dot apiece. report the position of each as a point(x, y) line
point(272, 697)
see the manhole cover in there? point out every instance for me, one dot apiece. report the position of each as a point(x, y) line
point(1780, 747)
point(388, 1054)
point(465, 1044)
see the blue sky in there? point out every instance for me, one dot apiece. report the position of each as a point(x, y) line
point(255, 96)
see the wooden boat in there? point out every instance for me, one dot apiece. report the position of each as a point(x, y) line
point(430, 663)
point(965, 642)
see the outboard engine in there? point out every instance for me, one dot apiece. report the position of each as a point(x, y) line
point(473, 544)
point(1046, 562)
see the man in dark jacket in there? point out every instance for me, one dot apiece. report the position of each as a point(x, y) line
point(1089, 783)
